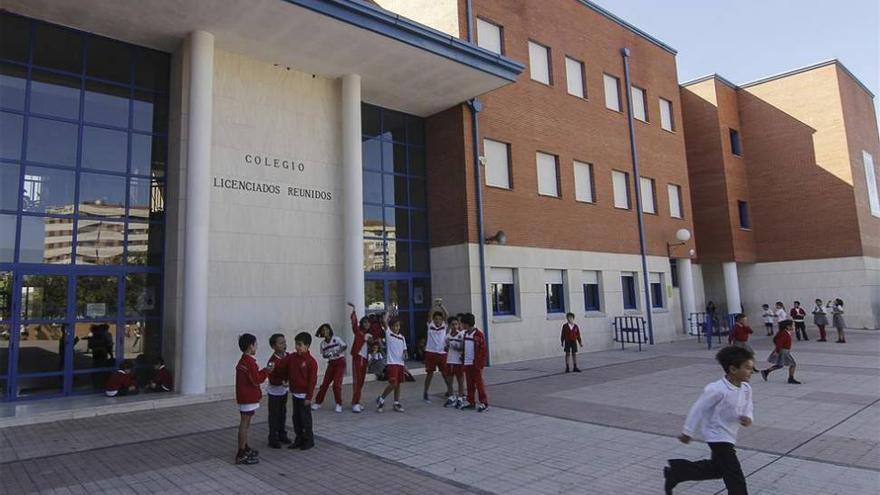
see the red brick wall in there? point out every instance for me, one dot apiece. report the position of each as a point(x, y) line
point(535, 117)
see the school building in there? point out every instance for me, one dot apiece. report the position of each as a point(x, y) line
point(784, 190)
point(176, 173)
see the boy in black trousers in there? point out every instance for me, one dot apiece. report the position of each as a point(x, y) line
point(277, 392)
point(301, 371)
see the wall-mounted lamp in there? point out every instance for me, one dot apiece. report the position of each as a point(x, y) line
point(683, 235)
point(499, 238)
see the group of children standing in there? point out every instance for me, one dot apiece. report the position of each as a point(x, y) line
point(455, 348)
point(798, 315)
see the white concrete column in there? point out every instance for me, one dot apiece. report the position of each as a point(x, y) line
point(198, 176)
point(686, 289)
point(731, 287)
point(352, 186)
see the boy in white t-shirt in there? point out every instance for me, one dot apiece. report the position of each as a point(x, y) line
point(454, 359)
point(435, 349)
point(769, 318)
point(395, 364)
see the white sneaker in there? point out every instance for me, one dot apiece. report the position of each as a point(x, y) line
point(357, 408)
point(315, 406)
point(380, 403)
point(338, 408)
point(398, 408)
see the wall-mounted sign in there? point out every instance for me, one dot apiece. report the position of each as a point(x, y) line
point(251, 160)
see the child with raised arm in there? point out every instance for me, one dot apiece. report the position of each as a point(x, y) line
point(359, 357)
point(724, 406)
point(435, 349)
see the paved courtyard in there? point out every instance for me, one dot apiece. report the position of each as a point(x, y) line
point(608, 430)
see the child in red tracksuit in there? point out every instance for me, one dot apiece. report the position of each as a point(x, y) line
point(277, 392)
point(162, 380)
point(359, 357)
point(301, 372)
point(571, 338)
point(248, 377)
point(333, 350)
point(121, 382)
point(739, 336)
point(474, 359)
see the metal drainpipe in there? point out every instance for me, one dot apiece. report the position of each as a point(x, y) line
point(624, 52)
point(475, 106)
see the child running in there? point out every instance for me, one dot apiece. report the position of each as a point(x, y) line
point(768, 317)
point(454, 367)
point(781, 355)
point(248, 377)
point(359, 358)
point(474, 360)
point(435, 350)
point(333, 350)
point(301, 372)
point(571, 338)
point(395, 362)
point(739, 336)
point(724, 406)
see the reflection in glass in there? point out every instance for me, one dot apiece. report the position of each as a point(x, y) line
point(374, 255)
point(39, 386)
point(43, 297)
point(10, 135)
point(48, 190)
point(46, 240)
point(96, 296)
point(142, 294)
point(415, 131)
point(372, 187)
point(108, 59)
point(422, 292)
point(106, 104)
point(12, 86)
point(147, 157)
point(142, 342)
point(393, 126)
point(94, 345)
point(99, 242)
point(396, 223)
point(51, 141)
point(58, 48)
point(373, 225)
point(145, 244)
point(417, 161)
point(420, 257)
point(101, 195)
point(151, 69)
point(150, 112)
point(398, 293)
point(9, 186)
point(371, 120)
point(54, 94)
point(7, 237)
point(14, 38)
point(394, 158)
point(41, 348)
point(104, 149)
point(372, 154)
point(146, 199)
point(375, 295)
point(395, 190)
point(5, 335)
point(417, 194)
point(398, 256)
point(5, 298)
point(419, 225)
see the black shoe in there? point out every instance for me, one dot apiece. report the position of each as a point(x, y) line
point(764, 374)
point(793, 381)
point(251, 452)
point(567, 370)
point(285, 440)
point(577, 370)
point(307, 445)
point(242, 457)
point(274, 444)
point(297, 443)
point(669, 482)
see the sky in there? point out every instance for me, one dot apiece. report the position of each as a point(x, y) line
point(748, 39)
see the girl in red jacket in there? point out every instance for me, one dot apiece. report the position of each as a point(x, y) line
point(781, 355)
point(248, 377)
point(359, 357)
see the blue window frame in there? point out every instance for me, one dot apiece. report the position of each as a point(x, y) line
point(744, 221)
point(656, 295)
point(555, 298)
point(592, 300)
point(503, 299)
point(397, 269)
point(82, 216)
point(628, 283)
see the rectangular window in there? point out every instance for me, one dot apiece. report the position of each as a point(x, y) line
point(583, 182)
point(656, 289)
point(497, 163)
point(539, 62)
point(666, 115)
point(553, 288)
point(628, 284)
point(620, 181)
point(871, 179)
point(489, 36)
point(744, 221)
point(574, 77)
point(649, 201)
point(735, 145)
point(548, 178)
point(592, 301)
point(503, 291)
point(640, 107)
point(612, 92)
point(674, 200)
point(673, 271)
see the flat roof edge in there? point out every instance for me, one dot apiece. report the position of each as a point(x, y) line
point(380, 21)
point(706, 78)
point(619, 21)
point(808, 68)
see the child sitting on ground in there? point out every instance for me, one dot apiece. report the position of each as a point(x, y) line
point(121, 382)
point(376, 361)
point(161, 380)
